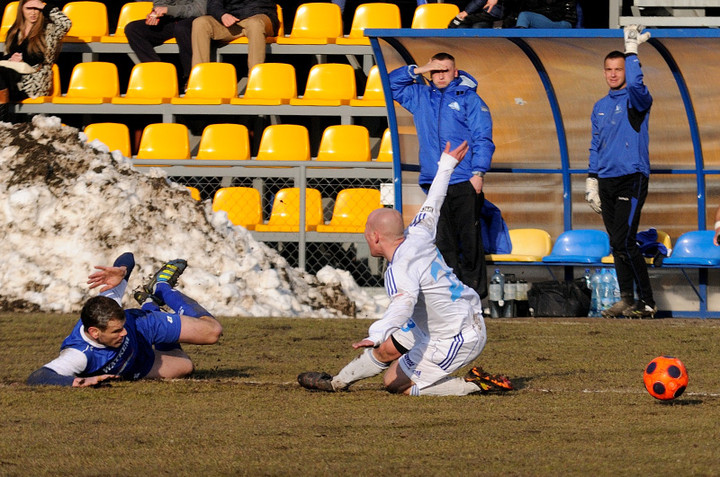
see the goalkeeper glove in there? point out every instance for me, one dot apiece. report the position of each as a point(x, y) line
point(592, 196)
point(633, 37)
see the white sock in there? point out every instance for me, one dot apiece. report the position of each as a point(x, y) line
point(448, 386)
point(364, 366)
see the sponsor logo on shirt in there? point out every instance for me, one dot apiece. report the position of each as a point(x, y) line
point(169, 318)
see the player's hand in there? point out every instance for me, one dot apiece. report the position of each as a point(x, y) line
point(152, 19)
point(110, 277)
point(432, 65)
point(160, 11)
point(489, 5)
point(93, 380)
point(366, 343)
point(16, 57)
point(477, 183)
point(229, 20)
point(592, 195)
point(633, 37)
point(459, 152)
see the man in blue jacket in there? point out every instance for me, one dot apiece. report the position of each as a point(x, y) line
point(450, 110)
point(619, 168)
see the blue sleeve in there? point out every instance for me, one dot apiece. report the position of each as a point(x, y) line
point(640, 98)
point(48, 376)
point(480, 125)
point(126, 260)
point(403, 87)
point(594, 144)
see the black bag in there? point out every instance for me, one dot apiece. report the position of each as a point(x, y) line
point(563, 299)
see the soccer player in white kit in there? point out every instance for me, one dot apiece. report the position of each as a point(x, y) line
point(441, 318)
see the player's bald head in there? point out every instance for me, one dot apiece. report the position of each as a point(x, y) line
point(388, 223)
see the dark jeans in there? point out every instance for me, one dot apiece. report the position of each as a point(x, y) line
point(144, 38)
point(622, 199)
point(459, 238)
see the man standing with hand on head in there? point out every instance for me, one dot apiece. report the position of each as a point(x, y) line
point(618, 171)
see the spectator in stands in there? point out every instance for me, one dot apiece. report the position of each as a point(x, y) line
point(31, 47)
point(547, 14)
point(109, 342)
point(450, 110)
point(231, 19)
point(168, 19)
point(618, 172)
point(478, 14)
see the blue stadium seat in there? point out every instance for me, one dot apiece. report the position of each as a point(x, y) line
point(694, 249)
point(579, 246)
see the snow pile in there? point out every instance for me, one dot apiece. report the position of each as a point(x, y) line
point(66, 206)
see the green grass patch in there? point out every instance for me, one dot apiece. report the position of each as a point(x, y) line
point(580, 408)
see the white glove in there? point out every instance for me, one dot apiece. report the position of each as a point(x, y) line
point(592, 196)
point(633, 37)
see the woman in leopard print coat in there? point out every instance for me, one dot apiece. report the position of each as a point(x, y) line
point(35, 40)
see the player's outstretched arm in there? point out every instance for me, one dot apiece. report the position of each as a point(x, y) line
point(47, 376)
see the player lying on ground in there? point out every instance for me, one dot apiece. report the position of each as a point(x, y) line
point(432, 315)
point(109, 342)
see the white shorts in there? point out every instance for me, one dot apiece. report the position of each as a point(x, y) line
point(431, 360)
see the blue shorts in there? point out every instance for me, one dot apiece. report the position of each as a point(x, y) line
point(153, 327)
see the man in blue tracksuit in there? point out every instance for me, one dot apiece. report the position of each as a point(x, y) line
point(617, 183)
point(450, 110)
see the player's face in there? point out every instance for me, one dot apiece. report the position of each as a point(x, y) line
point(442, 78)
point(31, 14)
point(615, 72)
point(374, 247)
point(113, 335)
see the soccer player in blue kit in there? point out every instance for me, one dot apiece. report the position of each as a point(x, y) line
point(619, 169)
point(109, 342)
point(432, 315)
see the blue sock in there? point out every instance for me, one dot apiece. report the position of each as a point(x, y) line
point(178, 302)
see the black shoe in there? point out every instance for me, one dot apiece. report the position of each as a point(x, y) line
point(141, 296)
point(488, 382)
point(169, 273)
point(316, 381)
point(642, 310)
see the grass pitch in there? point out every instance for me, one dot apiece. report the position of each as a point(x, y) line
point(580, 408)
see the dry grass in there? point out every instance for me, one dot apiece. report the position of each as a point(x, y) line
point(581, 407)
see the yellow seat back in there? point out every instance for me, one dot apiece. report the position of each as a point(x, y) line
point(528, 245)
point(8, 18)
point(224, 142)
point(351, 210)
point(385, 154)
point(332, 81)
point(89, 21)
point(242, 204)
point(152, 81)
point(347, 142)
point(373, 94)
point(271, 81)
point(285, 214)
point(164, 141)
point(210, 83)
point(93, 81)
point(374, 15)
point(194, 192)
point(115, 136)
point(318, 21)
point(284, 142)
point(129, 12)
point(434, 15)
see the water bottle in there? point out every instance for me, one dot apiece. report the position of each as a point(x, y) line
point(616, 285)
point(509, 296)
point(608, 294)
point(495, 294)
point(588, 278)
point(595, 297)
point(522, 306)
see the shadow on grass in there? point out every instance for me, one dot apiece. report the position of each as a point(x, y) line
point(224, 373)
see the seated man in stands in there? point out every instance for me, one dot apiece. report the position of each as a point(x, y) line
point(168, 19)
point(109, 342)
point(231, 19)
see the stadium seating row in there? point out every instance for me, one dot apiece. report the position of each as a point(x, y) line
point(279, 142)
point(269, 84)
point(592, 248)
point(244, 207)
point(314, 23)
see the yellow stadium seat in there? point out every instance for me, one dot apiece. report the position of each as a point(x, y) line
point(328, 84)
point(528, 245)
point(269, 84)
point(94, 82)
point(242, 204)
point(89, 21)
point(371, 15)
point(284, 142)
point(164, 141)
point(434, 15)
point(314, 24)
point(144, 86)
point(115, 136)
point(210, 83)
point(663, 238)
point(347, 142)
point(351, 210)
point(194, 192)
point(385, 154)
point(130, 12)
point(224, 142)
point(270, 39)
point(373, 95)
point(55, 89)
point(8, 18)
point(285, 214)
